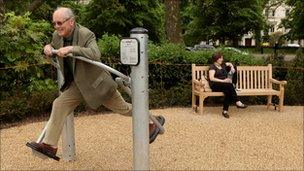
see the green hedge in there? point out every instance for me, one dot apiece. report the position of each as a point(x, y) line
point(295, 77)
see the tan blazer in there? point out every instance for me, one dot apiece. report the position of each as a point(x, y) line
point(95, 84)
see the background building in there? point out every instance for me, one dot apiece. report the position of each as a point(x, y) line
point(274, 16)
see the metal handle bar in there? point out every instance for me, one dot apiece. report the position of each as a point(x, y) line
point(99, 64)
point(124, 84)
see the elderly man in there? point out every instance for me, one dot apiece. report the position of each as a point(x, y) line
point(82, 81)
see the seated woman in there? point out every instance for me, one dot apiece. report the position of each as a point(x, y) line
point(221, 80)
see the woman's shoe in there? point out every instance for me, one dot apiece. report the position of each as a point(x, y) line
point(243, 106)
point(225, 114)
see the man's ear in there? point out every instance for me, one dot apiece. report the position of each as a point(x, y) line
point(72, 22)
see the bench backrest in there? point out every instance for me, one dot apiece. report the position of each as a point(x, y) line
point(249, 77)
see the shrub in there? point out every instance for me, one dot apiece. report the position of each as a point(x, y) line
point(109, 46)
point(13, 109)
point(23, 79)
point(41, 102)
point(22, 40)
point(21, 45)
point(167, 53)
point(295, 78)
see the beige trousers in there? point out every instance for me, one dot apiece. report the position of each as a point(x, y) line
point(68, 101)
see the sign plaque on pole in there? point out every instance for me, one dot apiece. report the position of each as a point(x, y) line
point(129, 51)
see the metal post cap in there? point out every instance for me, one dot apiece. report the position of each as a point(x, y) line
point(139, 30)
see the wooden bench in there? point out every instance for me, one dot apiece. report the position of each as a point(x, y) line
point(252, 81)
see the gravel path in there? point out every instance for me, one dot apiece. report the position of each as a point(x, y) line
point(252, 139)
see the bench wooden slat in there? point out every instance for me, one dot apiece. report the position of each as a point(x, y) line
point(255, 78)
point(259, 79)
point(247, 80)
point(251, 79)
point(262, 79)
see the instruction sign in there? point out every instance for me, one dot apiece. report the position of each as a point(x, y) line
point(129, 51)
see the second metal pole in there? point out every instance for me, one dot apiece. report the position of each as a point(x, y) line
point(68, 132)
point(140, 102)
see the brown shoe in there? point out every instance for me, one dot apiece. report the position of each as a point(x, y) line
point(154, 130)
point(44, 149)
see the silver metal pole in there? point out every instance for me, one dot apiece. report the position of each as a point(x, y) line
point(140, 101)
point(128, 90)
point(68, 139)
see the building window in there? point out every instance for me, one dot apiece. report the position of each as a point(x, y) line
point(287, 12)
point(271, 29)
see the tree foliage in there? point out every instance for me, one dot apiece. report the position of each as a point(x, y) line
point(295, 20)
point(2, 12)
point(40, 9)
point(223, 20)
point(120, 16)
point(21, 44)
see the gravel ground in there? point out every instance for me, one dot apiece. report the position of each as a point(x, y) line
point(252, 139)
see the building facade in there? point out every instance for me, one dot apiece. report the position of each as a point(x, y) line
point(274, 16)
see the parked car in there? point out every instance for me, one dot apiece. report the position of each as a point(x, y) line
point(200, 47)
point(236, 50)
point(203, 47)
point(293, 45)
point(265, 44)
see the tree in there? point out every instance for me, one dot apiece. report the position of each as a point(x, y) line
point(172, 21)
point(295, 20)
point(21, 42)
point(223, 20)
point(120, 16)
point(39, 9)
point(35, 5)
point(271, 4)
point(2, 13)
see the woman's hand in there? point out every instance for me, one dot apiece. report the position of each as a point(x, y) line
point(229, 64)
point(212, 78)
point(227, 80)
point(231, 67)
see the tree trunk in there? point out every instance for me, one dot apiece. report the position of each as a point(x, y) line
point(235, 42)
point(2, 13)
point(35, 5)
point(222, 41)
point(258, 38)
point(172, 21)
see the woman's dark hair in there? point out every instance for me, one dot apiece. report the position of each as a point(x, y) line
point(216, 56)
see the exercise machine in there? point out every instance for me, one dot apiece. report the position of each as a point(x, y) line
point(134, 53)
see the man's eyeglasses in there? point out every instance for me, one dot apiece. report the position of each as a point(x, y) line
point(59, 23)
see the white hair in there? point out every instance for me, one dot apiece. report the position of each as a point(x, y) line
point(68, 12)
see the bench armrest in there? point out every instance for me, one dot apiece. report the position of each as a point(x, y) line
point(278, 82)
point(198, 85)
